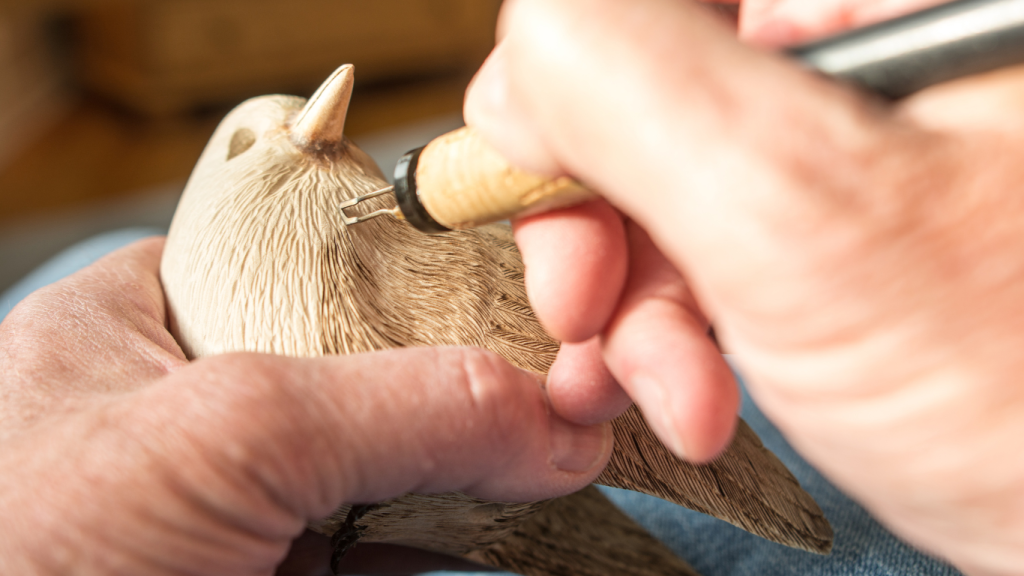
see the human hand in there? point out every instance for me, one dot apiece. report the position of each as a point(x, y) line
point(120, 457)
point(859, 258)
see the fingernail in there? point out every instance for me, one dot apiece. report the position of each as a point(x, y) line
point(659, 414)
point(577, 448)
point(672, 440)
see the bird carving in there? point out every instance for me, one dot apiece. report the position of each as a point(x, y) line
point(259, 259)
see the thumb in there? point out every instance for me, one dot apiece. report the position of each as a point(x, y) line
point(215, 468)
point(363, 428)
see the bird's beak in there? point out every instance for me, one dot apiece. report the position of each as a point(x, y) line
point(321, 123)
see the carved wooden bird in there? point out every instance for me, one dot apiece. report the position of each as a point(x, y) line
point(258, 259)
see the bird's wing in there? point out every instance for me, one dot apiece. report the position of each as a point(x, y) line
point(585, 535)
point(582, 534)
point(513, 329)
point(746, 486)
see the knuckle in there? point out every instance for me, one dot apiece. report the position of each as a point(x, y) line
point(501, 398)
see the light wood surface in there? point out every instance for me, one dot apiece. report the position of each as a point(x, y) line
point(463, 182)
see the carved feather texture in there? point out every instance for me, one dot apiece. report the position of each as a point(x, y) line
point(569, 536)
point(746, 486)
point(325, 288)
point(438, 522)
point(258, 259)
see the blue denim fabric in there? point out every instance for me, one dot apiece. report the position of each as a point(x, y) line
point(714, 548)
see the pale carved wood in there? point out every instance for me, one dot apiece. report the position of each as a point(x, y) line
point(258, 259)
point(463, 182)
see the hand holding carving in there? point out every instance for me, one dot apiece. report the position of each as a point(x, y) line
point(122, 458)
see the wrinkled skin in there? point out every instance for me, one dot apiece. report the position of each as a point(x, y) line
point(120, 457)
point(860, 258)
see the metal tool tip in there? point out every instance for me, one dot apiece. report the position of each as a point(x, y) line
point(349, 220)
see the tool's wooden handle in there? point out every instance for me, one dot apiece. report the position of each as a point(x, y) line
point(462, 183)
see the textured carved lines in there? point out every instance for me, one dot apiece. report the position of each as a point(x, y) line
point(746, 486)
point(568, 536)
point(452, 523)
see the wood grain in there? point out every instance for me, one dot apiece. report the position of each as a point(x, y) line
point(464, 183)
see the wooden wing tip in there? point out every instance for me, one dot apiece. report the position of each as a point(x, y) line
point(582, 534)
point(746, 486)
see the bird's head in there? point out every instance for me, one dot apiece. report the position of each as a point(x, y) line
point(283, 140)
point(259, 257)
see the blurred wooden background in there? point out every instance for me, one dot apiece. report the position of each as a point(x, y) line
point(101, 98)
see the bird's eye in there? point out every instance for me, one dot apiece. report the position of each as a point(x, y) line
point(241, 140)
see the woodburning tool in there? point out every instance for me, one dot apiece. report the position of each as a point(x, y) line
point(458, 181)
